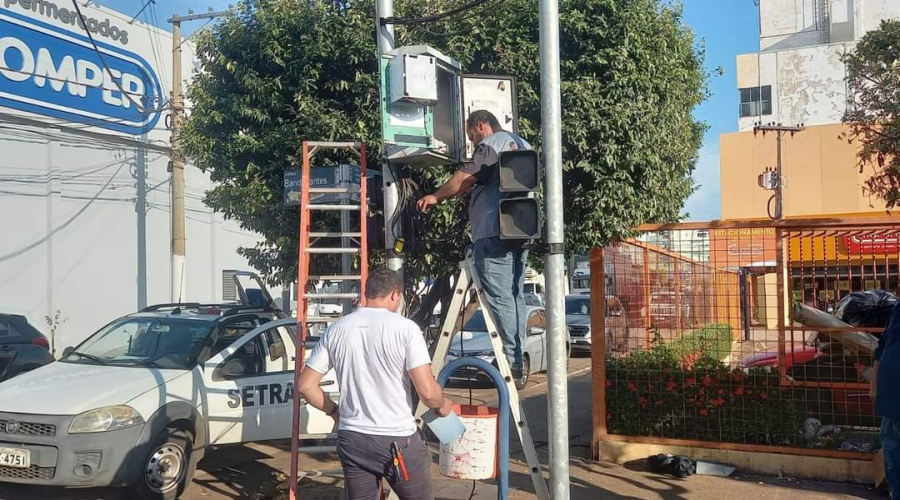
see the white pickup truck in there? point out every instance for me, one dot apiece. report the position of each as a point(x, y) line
point(139, 401)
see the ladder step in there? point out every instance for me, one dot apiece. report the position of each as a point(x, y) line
point(333, 207)
point(336, 234)
point(332, 250)
point(333, 190)
point(322, 319)
point(337, 277)
point(314, 296)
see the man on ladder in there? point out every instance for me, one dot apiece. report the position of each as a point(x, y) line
point(500, 264)
point(375, 353)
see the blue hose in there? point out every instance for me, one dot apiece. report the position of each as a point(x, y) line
point(503, 393)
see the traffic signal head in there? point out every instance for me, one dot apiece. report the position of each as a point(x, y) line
point(520, 213)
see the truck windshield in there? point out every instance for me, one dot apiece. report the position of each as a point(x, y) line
point(171, 343)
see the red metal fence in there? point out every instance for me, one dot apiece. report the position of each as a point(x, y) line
point(725, 335)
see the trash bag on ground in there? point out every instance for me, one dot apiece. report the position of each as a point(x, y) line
point(868, 309)
point(679, 466)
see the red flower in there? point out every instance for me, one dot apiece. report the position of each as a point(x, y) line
point(632, 387)
point(707, 381)
point(690, 400)
point(701, 392)
point(720, 391)
point(670, 386)
point(718, 402)
point(690, 382)
point(608, 383)
point(703, 412)
point(643, 402)
point(739, 391)
point(737, 377)
point(659, 402)
point(764, 395)
point(749, 392)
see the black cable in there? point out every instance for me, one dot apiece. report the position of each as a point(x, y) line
point(433, 17)
point(769, 207)
point(81, 17)
point(472, 495)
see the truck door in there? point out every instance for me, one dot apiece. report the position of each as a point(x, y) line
point(250, 387)
point(245, 383)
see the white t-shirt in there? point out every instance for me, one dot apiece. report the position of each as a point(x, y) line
point(371, 351)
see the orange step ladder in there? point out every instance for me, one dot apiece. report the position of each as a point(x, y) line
point(307, 249)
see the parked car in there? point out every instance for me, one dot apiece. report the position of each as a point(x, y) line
point(138, 402)
point(578, 319)
point(664, 308)
point(828, 357)
point(473, 340)
point(22, 346)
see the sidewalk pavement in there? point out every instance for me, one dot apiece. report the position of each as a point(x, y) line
point(588, 479)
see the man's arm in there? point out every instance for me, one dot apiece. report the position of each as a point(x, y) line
point(458, 183)
point(430, 393)
point(311, 391)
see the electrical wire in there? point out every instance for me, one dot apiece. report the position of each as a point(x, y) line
point(65, 224)
point(100, 55)
point(433, 17)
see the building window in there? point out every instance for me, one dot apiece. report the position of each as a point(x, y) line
point(756, 101)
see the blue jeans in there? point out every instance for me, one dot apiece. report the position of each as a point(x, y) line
point(501, 268)
point(890, 444)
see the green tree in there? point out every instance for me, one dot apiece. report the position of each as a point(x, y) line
point(275, 72)
point(873, 82)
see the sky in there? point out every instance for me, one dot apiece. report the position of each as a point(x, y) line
point(726, 27)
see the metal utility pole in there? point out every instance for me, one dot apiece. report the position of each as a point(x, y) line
point(179, 271)
point(140, 165)
point(779, 130)
point(554, 262)
point(385, 38)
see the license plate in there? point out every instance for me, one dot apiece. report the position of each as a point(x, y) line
point(14, 457)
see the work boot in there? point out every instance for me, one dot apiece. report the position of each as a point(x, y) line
point(516, 369)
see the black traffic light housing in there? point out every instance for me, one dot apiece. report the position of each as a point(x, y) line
point(520, 213)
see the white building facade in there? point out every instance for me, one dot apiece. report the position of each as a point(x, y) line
point(798, 75)
point(85, 224)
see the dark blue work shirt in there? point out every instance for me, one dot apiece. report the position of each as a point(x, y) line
point(887, 398)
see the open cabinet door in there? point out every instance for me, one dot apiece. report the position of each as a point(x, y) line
point(493, 93)
point(251, 291)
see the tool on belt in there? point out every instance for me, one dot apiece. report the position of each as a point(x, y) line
point(399, 463)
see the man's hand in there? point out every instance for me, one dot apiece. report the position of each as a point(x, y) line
point(445, 408)
point(426, 202)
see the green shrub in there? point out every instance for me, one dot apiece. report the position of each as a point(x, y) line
point(683, 390)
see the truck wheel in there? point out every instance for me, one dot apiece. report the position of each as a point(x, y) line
point(168, 468)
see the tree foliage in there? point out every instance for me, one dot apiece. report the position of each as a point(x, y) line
point(275, 72)
point(873, 82)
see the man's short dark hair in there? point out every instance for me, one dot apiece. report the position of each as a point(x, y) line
point(381, 282)
point(482, 116)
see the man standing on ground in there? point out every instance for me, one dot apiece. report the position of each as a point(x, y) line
point(500, 264)
point(886, 392)
point(375, 353)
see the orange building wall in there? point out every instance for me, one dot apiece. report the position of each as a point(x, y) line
point(821, 175)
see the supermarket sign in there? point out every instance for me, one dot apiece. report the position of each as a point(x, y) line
point(48, 67)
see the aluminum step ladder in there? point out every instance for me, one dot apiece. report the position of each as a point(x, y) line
point(353, 243)
point(467, 279)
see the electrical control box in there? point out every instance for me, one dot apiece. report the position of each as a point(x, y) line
point(425, 101)
point(413, 79)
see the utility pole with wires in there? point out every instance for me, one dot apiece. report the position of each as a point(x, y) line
point(773, 180)
point(179, 240)
point(392, 224)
